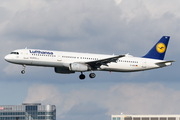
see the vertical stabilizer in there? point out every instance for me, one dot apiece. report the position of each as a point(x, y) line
point(159, 50)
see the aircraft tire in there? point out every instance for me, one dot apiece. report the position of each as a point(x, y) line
point(92, 75)
point(82, 76)
point(23, 71)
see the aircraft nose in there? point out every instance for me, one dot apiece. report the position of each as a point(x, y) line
point(7, 57)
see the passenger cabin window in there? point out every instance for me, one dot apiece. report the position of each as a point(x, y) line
point(128, 118)
point(154, 118)
point(163, 118)
point(118, 118)
point(136, 118)
point(17, 53)
point(145, 118)
point(114, 118)
point(171, 118)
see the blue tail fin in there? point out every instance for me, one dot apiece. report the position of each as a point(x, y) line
point(159, 50)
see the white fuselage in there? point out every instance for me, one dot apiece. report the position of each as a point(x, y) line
point(48, 58)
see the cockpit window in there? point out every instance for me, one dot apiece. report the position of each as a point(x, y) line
point(17, 53)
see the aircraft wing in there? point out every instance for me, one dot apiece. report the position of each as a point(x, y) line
point(98, 63)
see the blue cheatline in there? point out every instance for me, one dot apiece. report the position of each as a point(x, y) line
point(159, 49)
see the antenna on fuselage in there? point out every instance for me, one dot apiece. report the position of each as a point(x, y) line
point(26, 48)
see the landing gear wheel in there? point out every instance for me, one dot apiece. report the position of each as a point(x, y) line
point(92, 75)
point(82, 76)
point(22, 71)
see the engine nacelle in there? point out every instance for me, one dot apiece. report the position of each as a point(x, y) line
point(79, 67)
point(63, 70)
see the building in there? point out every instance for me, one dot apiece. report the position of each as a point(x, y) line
point(145, 117)
point(28, 111)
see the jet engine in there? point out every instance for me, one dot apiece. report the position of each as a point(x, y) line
point(63, 70)
point(79, 67)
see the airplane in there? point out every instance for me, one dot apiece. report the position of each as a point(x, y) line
point(71, 62)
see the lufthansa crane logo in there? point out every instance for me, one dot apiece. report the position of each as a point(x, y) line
point(161, 47)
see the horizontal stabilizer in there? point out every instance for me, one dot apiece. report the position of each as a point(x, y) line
point(160, 63)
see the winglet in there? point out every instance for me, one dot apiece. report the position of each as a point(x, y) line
point(159, 50)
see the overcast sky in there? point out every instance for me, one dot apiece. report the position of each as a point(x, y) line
point(93, 26)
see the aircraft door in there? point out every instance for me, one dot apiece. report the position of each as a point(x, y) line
point(144, 63)
point(26, 54)
point(59, 58)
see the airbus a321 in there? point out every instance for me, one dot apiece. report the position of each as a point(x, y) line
point(71, 62)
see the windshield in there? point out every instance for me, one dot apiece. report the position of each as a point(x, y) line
point(17, 53)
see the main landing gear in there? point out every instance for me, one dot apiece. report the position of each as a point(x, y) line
point(82, 76)
point(23, 71)
point(91, 75)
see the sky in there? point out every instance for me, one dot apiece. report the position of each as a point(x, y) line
point(91, 26)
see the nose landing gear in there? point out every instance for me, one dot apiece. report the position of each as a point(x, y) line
point(23, 71)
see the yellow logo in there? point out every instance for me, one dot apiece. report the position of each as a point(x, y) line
point(161, 47)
